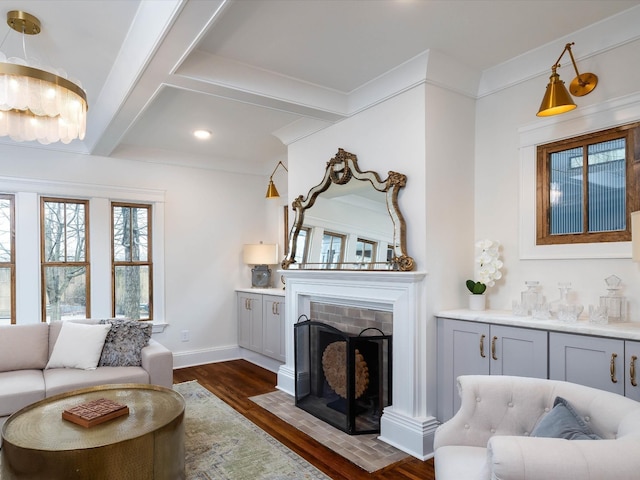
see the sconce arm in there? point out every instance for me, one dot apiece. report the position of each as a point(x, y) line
point(274, 170)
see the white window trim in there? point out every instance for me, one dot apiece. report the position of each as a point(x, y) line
point(592, 118)
point(27, 216)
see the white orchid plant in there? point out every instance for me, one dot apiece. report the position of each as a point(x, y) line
point(489, 266)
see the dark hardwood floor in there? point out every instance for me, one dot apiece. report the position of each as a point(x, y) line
point(235, 381)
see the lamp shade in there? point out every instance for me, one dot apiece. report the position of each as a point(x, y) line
point(260, 254)
point(556, 99)
point(272, 191)
point(635, 236)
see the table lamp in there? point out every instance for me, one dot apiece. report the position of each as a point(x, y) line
point(261, 255)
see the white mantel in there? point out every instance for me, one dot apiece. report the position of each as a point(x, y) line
point(405, 423)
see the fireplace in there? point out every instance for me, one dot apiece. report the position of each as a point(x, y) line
point(407, 423)
point(342, 378)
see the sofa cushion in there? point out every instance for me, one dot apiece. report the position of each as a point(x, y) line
point(563, 422)
point(60, 380)
point(20, 388)
point(124, 343)
point(78, 346)
point(24, 346)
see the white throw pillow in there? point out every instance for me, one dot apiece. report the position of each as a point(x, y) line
point(78, 346)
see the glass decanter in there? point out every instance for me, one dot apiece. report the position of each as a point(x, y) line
point(554, 306)
point(531, 296)
point(615, 303)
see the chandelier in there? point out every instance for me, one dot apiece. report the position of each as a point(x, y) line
point(36, 102)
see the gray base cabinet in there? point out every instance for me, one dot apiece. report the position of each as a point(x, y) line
point(606, 363)
point(470, 348)
point(261, 324)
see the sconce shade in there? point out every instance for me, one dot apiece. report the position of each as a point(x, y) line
point(272, 191)
point(556, 99)
point(635, 236)
point(260, 254)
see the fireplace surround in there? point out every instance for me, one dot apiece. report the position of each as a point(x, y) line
point(408, 423)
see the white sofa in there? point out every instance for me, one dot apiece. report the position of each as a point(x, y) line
point(26, 349)
point(490, 436)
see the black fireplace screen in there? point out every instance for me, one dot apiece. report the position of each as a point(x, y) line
point(341, 378)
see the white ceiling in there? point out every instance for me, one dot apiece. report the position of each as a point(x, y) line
point(256, 72)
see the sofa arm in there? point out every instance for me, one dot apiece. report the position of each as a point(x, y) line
point(157, 360)
point(531, 458)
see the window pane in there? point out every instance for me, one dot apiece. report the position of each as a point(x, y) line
point(566, 192)
point(607, 186)
point(331, 252)
point(5, 230)
point(66, 292)
point(132, 287)
point(5, 296)
point(301, 246)
point(365, 251)
point(130, 234)
point(64, 232)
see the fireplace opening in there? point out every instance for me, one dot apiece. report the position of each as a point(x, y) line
point(342, 378)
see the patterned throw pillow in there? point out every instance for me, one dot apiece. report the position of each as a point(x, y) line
point(124, 343)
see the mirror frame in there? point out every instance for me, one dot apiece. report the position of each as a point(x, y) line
point(340, 170)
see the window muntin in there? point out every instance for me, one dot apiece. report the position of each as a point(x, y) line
point(7, 260)
point(131, 261)
point(65, 268)
point(586, 187)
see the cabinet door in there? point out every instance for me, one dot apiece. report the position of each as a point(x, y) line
point(518, 351)
point(250, 321)
point(592, 361)
point(632, 370)
point(273, 327)
point(463, 349)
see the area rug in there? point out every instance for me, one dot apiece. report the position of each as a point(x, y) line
point(366, 451)
point(222, 444)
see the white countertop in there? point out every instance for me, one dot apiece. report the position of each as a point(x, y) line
point(627, 330)
point(263, 291)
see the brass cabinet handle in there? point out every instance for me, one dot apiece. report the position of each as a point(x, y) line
point(274, 308)
point(612, 368)
point(493, 348)
point(482, 345)
point(632, 370)
point(247, 304)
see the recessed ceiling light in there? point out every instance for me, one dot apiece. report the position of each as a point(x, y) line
point(202, 134)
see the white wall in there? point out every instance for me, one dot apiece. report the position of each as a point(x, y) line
point(501, 119)
point(208, 216)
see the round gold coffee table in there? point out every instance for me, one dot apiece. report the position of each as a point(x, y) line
point(148, 443)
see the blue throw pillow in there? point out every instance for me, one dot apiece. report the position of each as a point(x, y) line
point(563, 422)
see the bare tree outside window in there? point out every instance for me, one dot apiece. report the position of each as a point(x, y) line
point(65, 269)
point(132, 267)
point(7, 265)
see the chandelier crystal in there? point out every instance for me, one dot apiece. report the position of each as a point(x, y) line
point(36, 102)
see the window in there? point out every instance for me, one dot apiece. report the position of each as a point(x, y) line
point(132, 267)
point(365, 252)
point(65, 268)
point(331, 253)
point(586, 187)
point(302, 246)
point(7, 260)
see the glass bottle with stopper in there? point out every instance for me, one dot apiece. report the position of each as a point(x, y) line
point(531, 296)
point(615, 303)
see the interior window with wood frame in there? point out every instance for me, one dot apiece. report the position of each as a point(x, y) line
point(7, 260)
point(587, 187)
point(332, 250)
point(64, 259)
point(132, 267)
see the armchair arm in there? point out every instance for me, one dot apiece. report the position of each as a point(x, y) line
point(157, 360)
point(531, 458)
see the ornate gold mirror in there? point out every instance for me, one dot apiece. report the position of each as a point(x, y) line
point(355, 223)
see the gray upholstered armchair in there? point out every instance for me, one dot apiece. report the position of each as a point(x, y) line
point(492, 435)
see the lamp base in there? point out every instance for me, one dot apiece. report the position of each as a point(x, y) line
point(260, 276)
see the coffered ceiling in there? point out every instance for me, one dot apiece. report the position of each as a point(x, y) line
point(258, 73)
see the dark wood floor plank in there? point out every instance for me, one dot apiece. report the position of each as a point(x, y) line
point(236, 381)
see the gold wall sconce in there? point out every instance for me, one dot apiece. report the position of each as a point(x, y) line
point(272, 191)
point(557, 99)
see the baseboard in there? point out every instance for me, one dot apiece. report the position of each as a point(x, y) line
point(223, 354)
